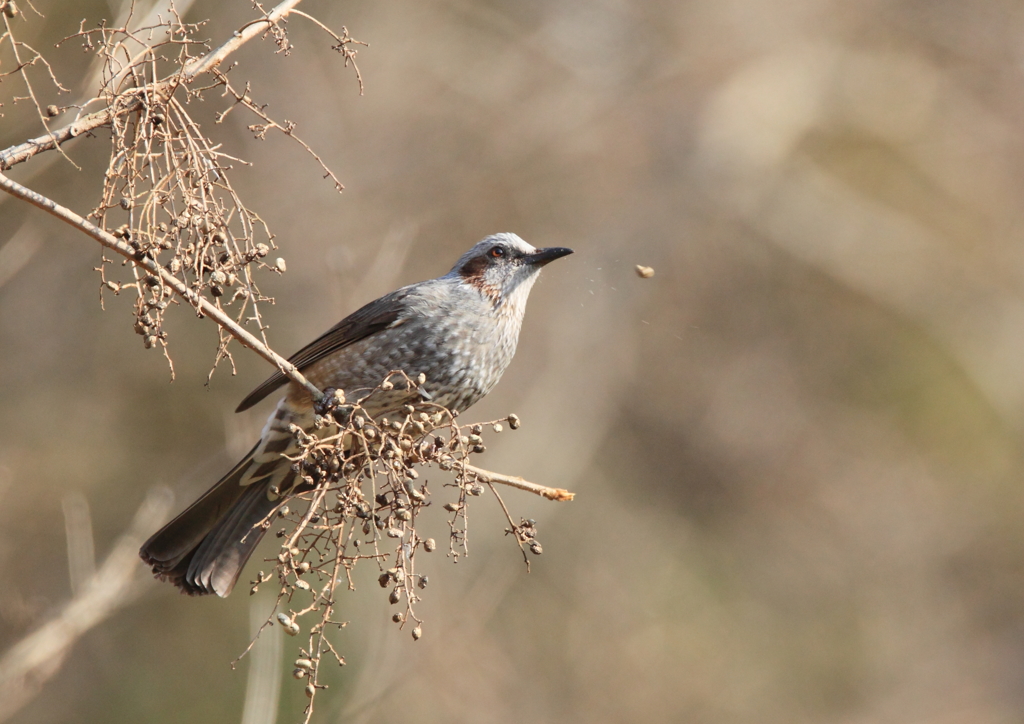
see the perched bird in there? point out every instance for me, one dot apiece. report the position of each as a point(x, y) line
point(459, 330)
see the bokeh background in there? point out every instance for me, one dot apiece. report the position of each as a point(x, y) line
point(796, 448)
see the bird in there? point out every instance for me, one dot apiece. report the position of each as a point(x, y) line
point(459, 330)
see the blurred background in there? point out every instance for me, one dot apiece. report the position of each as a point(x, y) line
point(796, 448)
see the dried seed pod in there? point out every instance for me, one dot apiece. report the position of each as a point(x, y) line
point(52, 111)
point(149, 341)
point(262, 250)
point(497, 427)
point(219, 237)
point(303, 664)
point(429, 545)
point(475, 489)
point(299, 673)
point(384, 579)
point(403, 515)
point(422, 583)
point(300, 584)
point(310, 691)
point(417, 633)
point(416, 494)
point(126, 203)
point(303, 567)
point(398, 618)
point(394, 533)
point(513, 421)
point(479, 448)
point(395, 597)
point(408, 409)
point(218, 277)
point(536, 548)
point(644, 272)
point(387, 385)
point(217, 290)
point(290, 627)
point(477, 429)
point(283, 511)
point(421, 378)
point(281, 265)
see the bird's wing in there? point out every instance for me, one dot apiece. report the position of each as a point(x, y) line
point(376, 316)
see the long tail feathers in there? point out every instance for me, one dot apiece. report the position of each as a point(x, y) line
point(204, 549)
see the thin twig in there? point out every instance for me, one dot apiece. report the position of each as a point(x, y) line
point(23, 151)
point(486, 476)
point(202, 306)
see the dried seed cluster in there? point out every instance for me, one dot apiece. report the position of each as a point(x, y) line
point(167, 194)
point(361, 495)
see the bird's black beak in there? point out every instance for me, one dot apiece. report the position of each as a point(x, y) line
point(545, 256)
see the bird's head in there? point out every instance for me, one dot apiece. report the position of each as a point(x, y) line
point(504, 267)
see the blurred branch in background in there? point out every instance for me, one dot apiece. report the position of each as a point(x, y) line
point(263, 688)
point(81, 544)
point(30, 663)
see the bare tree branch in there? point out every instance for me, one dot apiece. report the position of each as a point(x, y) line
point(22, 152)
point(201, 305)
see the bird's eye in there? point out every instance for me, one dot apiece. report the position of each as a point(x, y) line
point(498, 252)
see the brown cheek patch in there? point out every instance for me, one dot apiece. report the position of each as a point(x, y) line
point(473, 270)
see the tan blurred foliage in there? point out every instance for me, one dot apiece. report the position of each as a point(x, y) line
point(796, 448)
